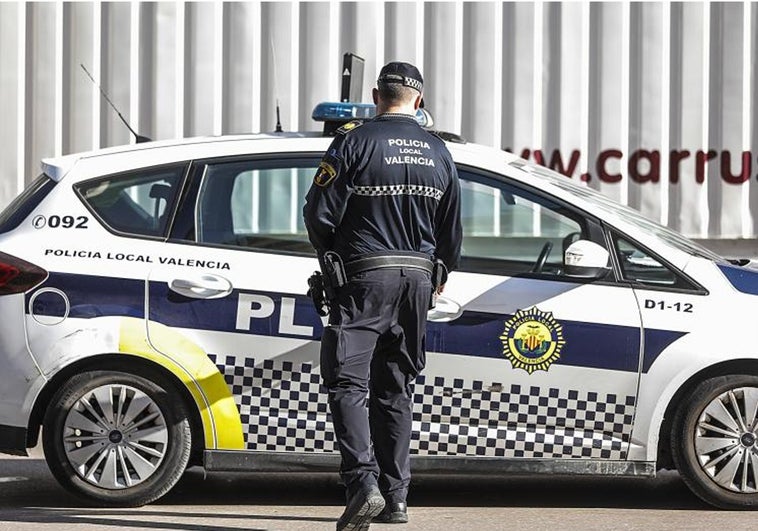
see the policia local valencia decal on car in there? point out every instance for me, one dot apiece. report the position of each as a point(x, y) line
point(532, 340)
point(137, 257)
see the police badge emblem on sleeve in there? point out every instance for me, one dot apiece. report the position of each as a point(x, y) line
point(532, 340)
point(327, 169)
point(325, 174)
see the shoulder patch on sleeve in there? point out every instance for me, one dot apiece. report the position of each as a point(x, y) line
point(325, 174)
point(349, 126)
point(327, 169)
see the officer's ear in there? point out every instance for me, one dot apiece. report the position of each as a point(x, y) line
point(375, 96)
point(417, 103)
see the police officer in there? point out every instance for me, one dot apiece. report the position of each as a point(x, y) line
point(384, 204)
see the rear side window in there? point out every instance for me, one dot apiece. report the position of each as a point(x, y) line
point(255, 204)
point(137, 203)
point(24, 204)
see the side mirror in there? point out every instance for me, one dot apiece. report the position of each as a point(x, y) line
point(586, 259)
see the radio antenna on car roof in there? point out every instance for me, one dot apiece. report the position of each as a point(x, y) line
point(138, 138)
point(278, 119)
point(276, 84)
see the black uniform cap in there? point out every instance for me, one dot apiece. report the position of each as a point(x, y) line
point(404, 73)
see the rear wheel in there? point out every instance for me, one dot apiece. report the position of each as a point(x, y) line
point(116, 438)
point(715, 441)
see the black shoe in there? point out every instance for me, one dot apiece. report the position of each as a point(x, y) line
point(393, 513)
point(361, 508)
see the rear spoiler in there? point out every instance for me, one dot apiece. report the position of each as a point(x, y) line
point(57, 168)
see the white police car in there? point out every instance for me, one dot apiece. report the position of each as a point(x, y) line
point(153, 315)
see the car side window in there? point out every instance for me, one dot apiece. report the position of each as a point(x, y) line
point(136, 203)
point(507, 230)
point(255, 205)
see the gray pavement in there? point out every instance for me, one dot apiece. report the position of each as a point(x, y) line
point(31, 499)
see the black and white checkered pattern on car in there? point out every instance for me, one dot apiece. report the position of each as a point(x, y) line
point(283, 407)
point(400, 189)
point(518, 421)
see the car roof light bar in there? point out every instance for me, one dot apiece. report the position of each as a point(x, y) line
point(334, 113)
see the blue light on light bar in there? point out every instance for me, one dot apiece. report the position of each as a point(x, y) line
point(331, 111)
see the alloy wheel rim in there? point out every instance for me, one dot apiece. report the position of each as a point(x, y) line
point(115, 436)
point(726, 440)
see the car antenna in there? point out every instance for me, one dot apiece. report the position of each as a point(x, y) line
point(276, 84)
point(138, 138)
point(278, 120)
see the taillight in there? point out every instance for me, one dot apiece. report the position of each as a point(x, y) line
point(18, 276)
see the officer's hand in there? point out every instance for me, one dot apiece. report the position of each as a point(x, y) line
point(440, 289)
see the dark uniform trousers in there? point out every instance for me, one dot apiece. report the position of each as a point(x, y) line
point(372, 350)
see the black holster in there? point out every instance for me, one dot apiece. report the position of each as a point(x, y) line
point(334, 271)
point(322, 285)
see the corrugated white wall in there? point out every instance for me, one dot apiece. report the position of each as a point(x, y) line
point(607, 86)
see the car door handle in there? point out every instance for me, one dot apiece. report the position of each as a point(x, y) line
point(446, 310)
point(202, 287)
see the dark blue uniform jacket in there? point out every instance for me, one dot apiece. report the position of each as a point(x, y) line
point(387, 185)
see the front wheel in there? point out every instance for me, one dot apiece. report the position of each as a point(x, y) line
point(116, 438)
point(715, 441)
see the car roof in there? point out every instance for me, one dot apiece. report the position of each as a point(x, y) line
point(57, 167)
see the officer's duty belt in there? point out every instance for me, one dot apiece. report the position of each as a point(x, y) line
point(380, 262)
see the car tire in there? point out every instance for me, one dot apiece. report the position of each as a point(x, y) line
point(116, 439)
point(715, 441)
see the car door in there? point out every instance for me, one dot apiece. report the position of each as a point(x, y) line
point(525, 360)
point(231, 284)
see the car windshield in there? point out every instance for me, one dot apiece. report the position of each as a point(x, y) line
point(628, 214)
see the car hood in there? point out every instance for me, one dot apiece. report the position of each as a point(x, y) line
point(743, 279)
